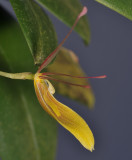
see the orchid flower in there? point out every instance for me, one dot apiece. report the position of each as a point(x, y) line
point(60, 112)
point(45, 91)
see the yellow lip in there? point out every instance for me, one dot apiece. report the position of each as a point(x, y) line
point(63, 114)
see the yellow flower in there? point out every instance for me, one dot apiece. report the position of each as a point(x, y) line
point(63, 114)
point(60, 112)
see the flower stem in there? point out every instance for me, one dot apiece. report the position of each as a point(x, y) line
point(24, 75)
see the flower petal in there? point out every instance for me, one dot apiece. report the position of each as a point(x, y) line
point(63, 114)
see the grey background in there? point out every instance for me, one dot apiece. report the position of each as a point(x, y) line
point(110, 53)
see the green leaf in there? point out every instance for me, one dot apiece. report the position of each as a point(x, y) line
point(67, 62)
point(27, 132)
point(124, 7)
point(67, 11)
point(37, 28)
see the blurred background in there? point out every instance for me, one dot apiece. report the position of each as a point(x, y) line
point(110, 53)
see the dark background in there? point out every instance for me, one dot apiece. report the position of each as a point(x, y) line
point(110, 53)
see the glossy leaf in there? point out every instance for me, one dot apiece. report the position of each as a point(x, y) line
point(67, 11)
point(124, 7)
point(37, 28)
point(67, 62)
point(27, 132)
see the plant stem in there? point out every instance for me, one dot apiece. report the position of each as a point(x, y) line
point(24, 75)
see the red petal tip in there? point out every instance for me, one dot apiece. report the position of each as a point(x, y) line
point(104, 76)
point(84, 11)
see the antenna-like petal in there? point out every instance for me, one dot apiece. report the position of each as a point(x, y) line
point(54, 53)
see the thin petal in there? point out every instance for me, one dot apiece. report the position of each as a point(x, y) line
point(63, 114)
point(54, 53)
